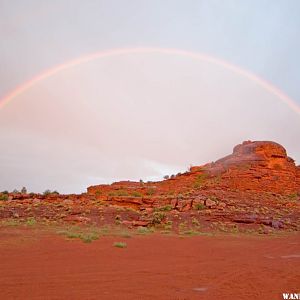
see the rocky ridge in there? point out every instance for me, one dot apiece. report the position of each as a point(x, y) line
point(262, 167)
point(257, 187)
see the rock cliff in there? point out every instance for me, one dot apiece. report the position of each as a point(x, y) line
point(259, 166)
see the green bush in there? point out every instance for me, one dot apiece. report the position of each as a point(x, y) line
point(24, 190)
point(199, 206)
point(30, 221)
point(200, 180)
point(3, 197)
point(76, 233)
point(165, 208)
point(293, 197)
point(121, 193)
point(195, 222)
point(143, 230)
point(89, 237)
point(120, 245)
point(136, 194)
point(158, 217)
point(47, 192)
point(150, 191)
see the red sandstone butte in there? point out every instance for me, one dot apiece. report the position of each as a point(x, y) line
point(259, 166)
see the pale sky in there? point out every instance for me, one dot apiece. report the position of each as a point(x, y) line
point(147, 114)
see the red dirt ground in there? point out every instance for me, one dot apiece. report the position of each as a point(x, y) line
point(39, 265)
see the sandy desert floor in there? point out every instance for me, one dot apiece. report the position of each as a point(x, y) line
point(37, 264)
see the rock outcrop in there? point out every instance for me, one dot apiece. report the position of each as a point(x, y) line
point(259, 166)
point(254, 189)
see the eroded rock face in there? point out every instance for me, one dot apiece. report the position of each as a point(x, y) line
point(259, 167)
point(265, 154)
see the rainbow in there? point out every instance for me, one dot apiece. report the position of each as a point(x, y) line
point(115, 52)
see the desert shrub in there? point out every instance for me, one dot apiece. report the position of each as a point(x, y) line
point(136, 194)
point(196, 185)
point(182, 227)
point(72, 234)
point(3, 197)
point(195, 222)
point(293, 197)
point(120, 245)
point(150, 191)
point(143, 230)
point(190, 232)
point(168, 225)
point(24, 190)
point(4, 192)
point(121, 193)
point(213, 198)
point(30, 221)
point(77, 233)
point(11, 222)
point(89, 237)
point(200, 180)
point(165, 208)
point(199, 206)
point(47, 192)
point(158, 217)
point(166, 177)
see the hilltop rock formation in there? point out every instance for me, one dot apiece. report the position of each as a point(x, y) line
point(259, 166)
